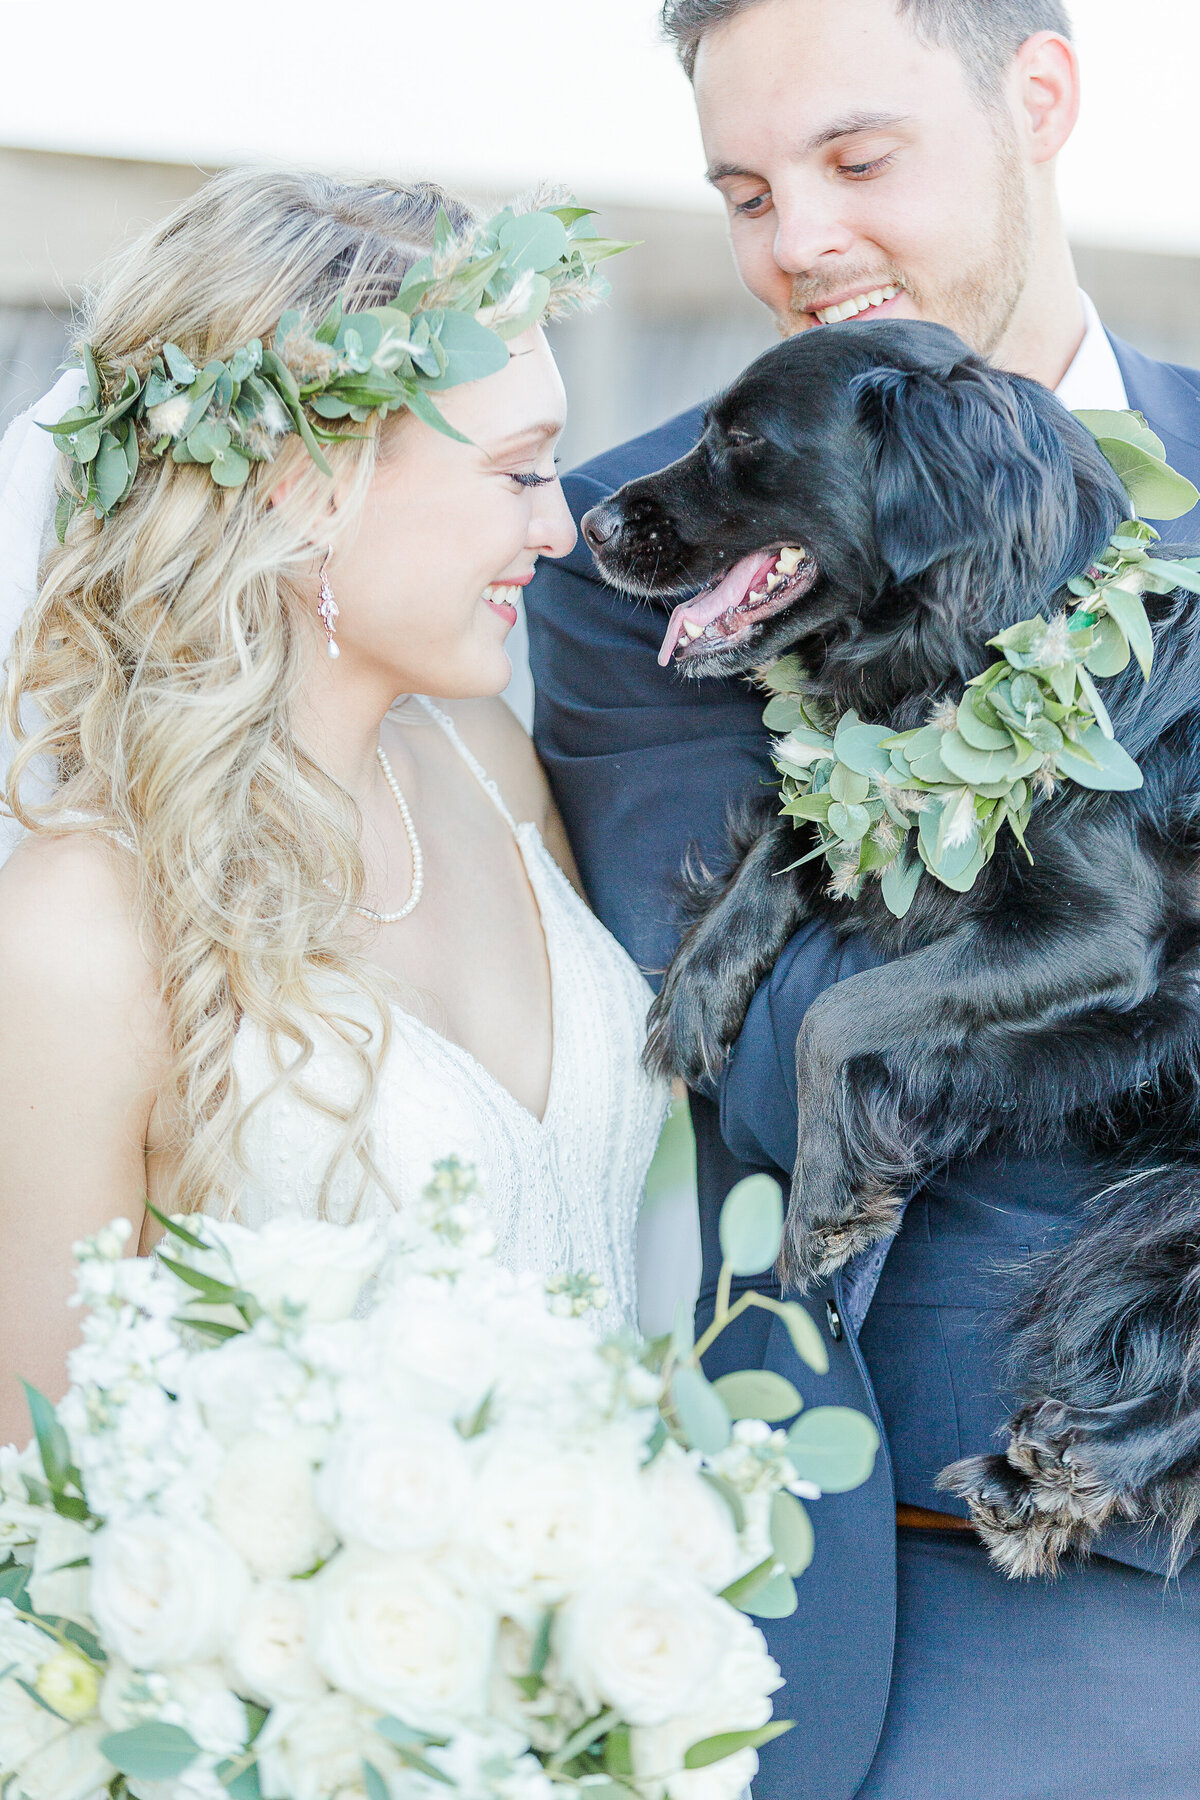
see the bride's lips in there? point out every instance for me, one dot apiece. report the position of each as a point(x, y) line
point(724, 616)
point(501, 596)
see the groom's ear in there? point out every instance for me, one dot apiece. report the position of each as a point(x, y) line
point(977, 496)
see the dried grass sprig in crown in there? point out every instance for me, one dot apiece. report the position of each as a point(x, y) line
point(447, 324)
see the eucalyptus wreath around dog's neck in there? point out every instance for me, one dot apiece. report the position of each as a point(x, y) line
point(447, 324)
point(893, 805)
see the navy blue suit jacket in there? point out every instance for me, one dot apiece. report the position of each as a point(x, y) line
point(643, 765)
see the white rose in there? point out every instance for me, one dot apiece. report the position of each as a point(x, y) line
point(54, 1587)
point(647, 1646)
point(270, 1655)
point(547, 1518)
point(310, 1751)
point(48, 1759)
point(395, 1483)
point(694, 1525)
point(396, 1632)
point(305, 1265)
point(433, 1353)
point(264, 1502)
point(736, 1699)
point(248, 1386)
point(164, 1592)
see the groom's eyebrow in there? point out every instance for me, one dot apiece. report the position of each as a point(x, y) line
point(850, 125)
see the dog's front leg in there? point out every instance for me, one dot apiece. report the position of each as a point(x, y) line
point(742, 922)
point(1105, 1344)
point(910, 1065)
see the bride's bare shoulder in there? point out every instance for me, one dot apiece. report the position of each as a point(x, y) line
point(68, 925)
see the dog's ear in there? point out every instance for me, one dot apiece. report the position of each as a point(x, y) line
point(983, 485)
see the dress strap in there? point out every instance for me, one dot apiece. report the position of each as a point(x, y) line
point(476, 767)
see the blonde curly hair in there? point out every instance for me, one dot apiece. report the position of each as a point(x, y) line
point(160, 655)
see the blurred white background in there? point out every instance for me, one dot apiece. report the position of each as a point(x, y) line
point(106, 121)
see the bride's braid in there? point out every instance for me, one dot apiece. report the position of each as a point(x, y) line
point(160, 656)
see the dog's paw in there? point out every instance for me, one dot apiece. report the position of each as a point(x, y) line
point(1038, 1502)
point(818, 1248)
point(689, 1031)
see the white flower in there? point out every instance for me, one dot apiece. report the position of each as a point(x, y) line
point(264, 1502)
point(694, 1523)
point(199, 1698)
point(648, 1646)
point(270, 1654)
point(395, 1483)
point(251, 1384)
point(396, 1632)
point(315, 1750)
point(434, 1353)
point(46, 1758)
point(736, 1699)
point(54, 1587)
point(549, 1518)
point(164, 1592)
point(304, 1266)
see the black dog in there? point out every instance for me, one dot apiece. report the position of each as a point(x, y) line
point(934, 501)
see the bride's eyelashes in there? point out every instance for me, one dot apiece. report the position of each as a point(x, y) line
point(533, 481)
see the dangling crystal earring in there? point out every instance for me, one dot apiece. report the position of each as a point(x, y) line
point(328, 610)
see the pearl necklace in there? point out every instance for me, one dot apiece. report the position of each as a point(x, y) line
point(418, 858)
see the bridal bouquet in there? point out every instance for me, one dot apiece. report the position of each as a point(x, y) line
point(351, 1513)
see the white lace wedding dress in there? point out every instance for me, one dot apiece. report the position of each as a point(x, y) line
point(562, 1191)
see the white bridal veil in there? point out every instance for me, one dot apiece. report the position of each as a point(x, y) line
point(27, 499)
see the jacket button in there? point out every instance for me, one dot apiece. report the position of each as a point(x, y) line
point(834, 1320)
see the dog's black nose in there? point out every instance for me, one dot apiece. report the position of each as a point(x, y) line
point(600, 524)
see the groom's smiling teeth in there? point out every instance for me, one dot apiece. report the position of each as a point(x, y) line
point(849, 309)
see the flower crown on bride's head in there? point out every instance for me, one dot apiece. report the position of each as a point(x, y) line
point(446, 325)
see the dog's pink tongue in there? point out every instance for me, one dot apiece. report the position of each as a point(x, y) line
point(729, 592)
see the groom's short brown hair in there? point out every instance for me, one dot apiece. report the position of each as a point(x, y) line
point(986, 33)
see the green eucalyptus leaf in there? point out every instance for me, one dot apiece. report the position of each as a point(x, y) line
point(787, 676)
point(807, 1341)
point(702, 1414)
point(1155, 490)
point(229, 468)
point(110, 472)
point(977, 723)
point(535, 240)
point(1176, 574)
point(791, 1533)
point(183, 369)
point(858, 746)
point(1130, 614)
point(834, 1447)
point(739, 1592)
point(783, 713)
point(1044, 736)
point(471, 350)
point(1107, 766)
point(751, 1225)
point(814, 807)
point(847, 786)
point(151, 1752)
point(376, 1787)
point(850, 823)
point(775, 1599)
point(726, 1743)
point(758, 1394)
point(240, 1784)
point(974, 766)
point(1099, 710)
point(899, 883)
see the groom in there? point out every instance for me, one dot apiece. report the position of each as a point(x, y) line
point(885, 158)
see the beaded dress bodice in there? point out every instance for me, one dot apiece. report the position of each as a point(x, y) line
point(562, 1192)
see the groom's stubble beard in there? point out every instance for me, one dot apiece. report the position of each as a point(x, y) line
point(978, 302)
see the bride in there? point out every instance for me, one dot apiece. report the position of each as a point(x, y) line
point(280, 929)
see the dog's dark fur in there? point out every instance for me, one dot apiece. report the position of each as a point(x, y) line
point(943, 500)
